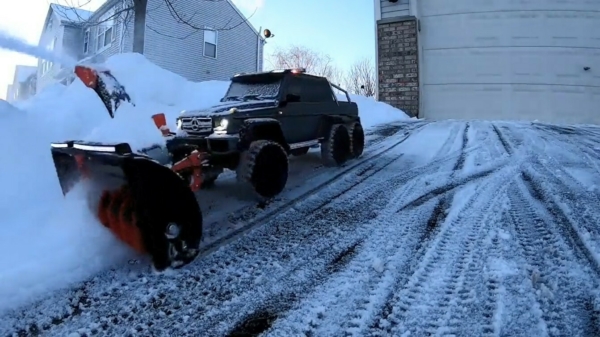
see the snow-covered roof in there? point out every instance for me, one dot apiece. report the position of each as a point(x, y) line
point(23, 72)
point(71, 14)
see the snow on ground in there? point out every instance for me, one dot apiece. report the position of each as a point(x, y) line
point(465, 229)
point(48, 242)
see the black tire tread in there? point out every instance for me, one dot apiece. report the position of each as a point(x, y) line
point(331, 148)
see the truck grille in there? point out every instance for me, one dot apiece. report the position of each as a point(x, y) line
point(197, 126)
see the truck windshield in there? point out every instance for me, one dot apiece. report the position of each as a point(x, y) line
point(253, 89)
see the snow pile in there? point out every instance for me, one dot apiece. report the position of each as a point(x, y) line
point(47, 241)
point(8, 110)
point(373, 112)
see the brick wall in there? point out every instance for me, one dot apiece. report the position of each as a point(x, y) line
point(398, 63)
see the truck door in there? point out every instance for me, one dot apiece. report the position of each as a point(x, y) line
point(291, 116)
point(303, 116)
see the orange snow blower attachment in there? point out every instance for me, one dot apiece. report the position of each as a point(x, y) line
point(110, 91)
point(142, 202)
point(138, 197)
point(87, 75)
point(161, 123)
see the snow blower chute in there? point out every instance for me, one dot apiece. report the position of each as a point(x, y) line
point(143, 202)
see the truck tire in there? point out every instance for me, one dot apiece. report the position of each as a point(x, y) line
point(265, 166)
point(357, 140)
point(335, 150)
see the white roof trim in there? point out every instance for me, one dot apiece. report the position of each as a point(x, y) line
point(245, 19)
point(377, 4)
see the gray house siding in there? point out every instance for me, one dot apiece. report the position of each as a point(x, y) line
point(179, 48)
point(53, 29)
point(100, 55)
point(391, 9)
point(126, 32)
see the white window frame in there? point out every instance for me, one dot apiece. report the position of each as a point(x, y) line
point(102, 29)
point(46, 66)
point(86, 41)
point(216, 43)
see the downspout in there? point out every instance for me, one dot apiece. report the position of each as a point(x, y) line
point(377, 4)
point(414, 11)
point(123, 26)
point(258, 49)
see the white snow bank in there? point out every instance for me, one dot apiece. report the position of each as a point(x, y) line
point(8, 110)
point(373, 112)
point(47, 241)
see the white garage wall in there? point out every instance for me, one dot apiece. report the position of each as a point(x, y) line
point(500, 59)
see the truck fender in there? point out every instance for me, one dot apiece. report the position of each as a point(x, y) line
point(261, 128)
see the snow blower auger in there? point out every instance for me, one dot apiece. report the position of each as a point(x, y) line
point(143, 202)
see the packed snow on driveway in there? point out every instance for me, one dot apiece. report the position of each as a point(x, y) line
point(441, 228)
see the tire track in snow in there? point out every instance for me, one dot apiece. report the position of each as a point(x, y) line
point(355, 297)
point(450, 140)
point(505, 144)
point(381, 133)
point(381, 189)
point(483, 133)
point(496, 294)
point(399, 180)
point(576, 143)
point(565, 130)
point(441, 206)
point(556, 194)
point(358, 288)
point(423, 280)
point(439, 164)
point(380, 198)
point(558, 290)
point(568, 226)
point(268, 312)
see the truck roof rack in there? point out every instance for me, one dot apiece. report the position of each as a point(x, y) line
point(280, 71)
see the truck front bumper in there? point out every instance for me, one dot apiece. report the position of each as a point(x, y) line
point(215, 144)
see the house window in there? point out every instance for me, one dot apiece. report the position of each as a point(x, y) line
point(106, 32)
point(210, 43)
point(86, 41)
point(46, 66)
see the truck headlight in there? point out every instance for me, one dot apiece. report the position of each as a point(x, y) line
point(179, 123)
point(221, 126)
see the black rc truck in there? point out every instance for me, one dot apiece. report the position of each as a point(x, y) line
point(263, 118)
point(146, 197)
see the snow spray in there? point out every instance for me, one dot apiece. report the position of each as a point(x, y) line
point(18, 45)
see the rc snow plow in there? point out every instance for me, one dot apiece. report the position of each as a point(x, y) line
point(144, 202)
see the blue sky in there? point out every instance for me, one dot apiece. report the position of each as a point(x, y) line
point(344, 29)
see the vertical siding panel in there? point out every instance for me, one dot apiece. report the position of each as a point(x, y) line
point(391, 9)
point(179, 48)
point(55, 32)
